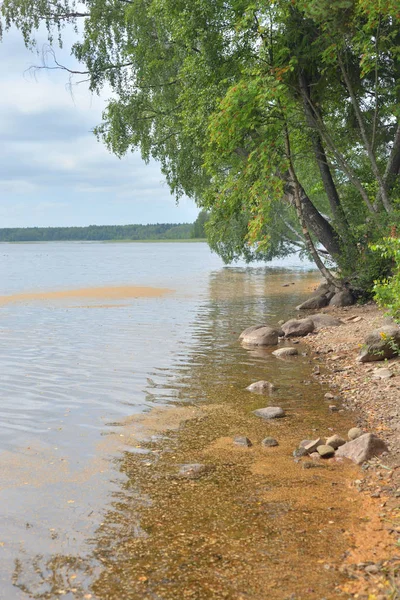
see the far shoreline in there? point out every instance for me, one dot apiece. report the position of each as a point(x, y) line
point(163, 241)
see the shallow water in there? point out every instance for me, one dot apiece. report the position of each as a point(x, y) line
point(89, 501)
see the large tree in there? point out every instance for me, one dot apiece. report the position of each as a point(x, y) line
point(279, 118)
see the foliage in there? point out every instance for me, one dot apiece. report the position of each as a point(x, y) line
point(387, 289)
point(199, 225)
point(163, 231)
point(280, 119)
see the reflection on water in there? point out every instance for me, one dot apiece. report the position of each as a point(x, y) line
point(88, 489)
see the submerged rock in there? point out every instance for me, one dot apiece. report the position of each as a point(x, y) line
point(260, 336)
point(363, 448)
point(380, 344)
point(270, 412)
point(298, 327)
point(354, 433)
point(193, 471)
point(284, 352)
point(242, 441)
point(261, 387)
point(269, 442)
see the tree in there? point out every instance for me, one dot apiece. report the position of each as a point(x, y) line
point(199, 230)
point(280, 119)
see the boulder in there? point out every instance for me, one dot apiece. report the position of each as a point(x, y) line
point(250, 330)
point(325, 451)
point(363, 448)
point(343, 298)
point(269, 412)
point(381, 343)
point(321, 290)
point(284, 352)
point(313, 303)
point(261, 387)
point(269, 442)
point(322, 320)
point(335, 441)
point(298, 327)
point(241, 440)
point(354, 433)
point(193, 471)
point(260, 336)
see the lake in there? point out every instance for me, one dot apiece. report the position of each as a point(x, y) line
point(96, 339)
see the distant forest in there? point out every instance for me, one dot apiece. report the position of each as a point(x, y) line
point(159, 231)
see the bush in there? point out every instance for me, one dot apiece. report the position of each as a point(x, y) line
point(387, 290)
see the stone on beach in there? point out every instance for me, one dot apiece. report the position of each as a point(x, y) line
point(260, 336)
point(363, 448)
point(298, 327)
point(343, 298)
point(269, 412)
point(321, 320)
point(335, 441)
point(380, 344)
point(382, 374)
point(325, 451)
point(269, 442)
point(312, 446)
point(241, 440)
point(313, 303)
point(261, 387)
point(283, 352)
point(354, 433)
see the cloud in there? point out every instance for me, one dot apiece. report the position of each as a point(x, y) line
point(53, 171)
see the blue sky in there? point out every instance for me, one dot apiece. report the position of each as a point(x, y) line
point(53, 171)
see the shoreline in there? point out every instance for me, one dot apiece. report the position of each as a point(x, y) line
point(373, 574)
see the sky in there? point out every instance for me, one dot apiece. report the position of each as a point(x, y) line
point(53, 171)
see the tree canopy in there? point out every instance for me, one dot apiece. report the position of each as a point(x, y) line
point(281, 119)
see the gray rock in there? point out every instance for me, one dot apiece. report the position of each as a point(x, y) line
point(242, 441)
point(329, 396)
point(284, 352)
point(313, 303)
point(321, 290)
point(380, 344)
point(298, 327)
point(260, 336)
point(363, 448)
point(269, 442)
point(312, 446)
point(354, 433)
point(322, 320)
point(325, 451)
point(261, 387)
point(372, 569)
point(193, 471)
point(333, 408)
point(269, 412)
point(304, 443)
point(299, 452)
point(382, 374)
point(343, 298)
point(250, 330)
point(335, 441)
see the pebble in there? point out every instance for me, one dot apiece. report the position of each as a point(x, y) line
point(372, 569)
point(354, 433)
point(325, 451)
point(299, 452)
point(329, 396)
point(269, 442)
point(193, 471)
point(333, 408)
point(312, 446)
point(382, 374)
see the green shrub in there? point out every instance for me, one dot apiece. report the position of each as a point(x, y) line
point(387, 290)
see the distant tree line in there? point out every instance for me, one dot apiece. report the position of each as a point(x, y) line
point(158, 231)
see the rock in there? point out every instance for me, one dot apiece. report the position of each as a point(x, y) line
point(299, 452)
point(260, 336)
point(242, 441)
point(372, 569)
point(261, 387)
point(335, 441)
point(304, 443)
point(313, 303)
point(284, 352)
point(193, 471)
point(380, 344)
point(298, 327)
point(343, 298)
point(333, 408)
point(312, 446)
point(363, 448)
point(321, 290)
point(325, 451)
point(269, 442)
point(354, 433)
point(322, 320)
point(329, 396)
point(270, 412)
point(382, 374)
point(281, 322)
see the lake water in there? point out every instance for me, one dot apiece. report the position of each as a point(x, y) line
point(78, 371)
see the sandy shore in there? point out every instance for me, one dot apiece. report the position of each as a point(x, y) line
point(373, 568)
